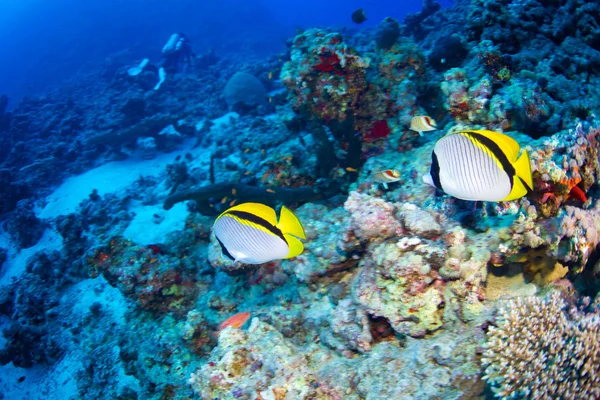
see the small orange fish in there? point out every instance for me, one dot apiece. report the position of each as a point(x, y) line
point(232, 203)
point(246, 162)
point(350, 169)
point(271, 75)
point(270, 191)
point(236, 321)
point(270, 99)
point(247, 173)
point(233, 191)
point(223, 200)
point(246, 150)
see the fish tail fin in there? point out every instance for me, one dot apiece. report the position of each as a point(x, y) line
point(523, 180)
point(295, 245)
point(289, 223)
point(523, 170)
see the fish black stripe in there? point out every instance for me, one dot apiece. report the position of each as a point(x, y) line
point(435, 171)
point(529, 190)
point(225, 251)
point(258, 221)
point(497, 152)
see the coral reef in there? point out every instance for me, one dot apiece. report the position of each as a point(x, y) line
point(30, 303)
point(543, 349)
point(158, 282)
point(396, 287)
point(24, 227)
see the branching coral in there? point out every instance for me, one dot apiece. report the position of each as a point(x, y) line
point(540, 350)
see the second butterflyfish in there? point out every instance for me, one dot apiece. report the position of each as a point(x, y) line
point(422, 123)
point(480, 165)
point(250, 233)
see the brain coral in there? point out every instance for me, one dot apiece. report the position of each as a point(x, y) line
point(245, 89)
point(542, 351)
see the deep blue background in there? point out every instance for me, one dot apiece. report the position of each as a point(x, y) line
point(45, 42)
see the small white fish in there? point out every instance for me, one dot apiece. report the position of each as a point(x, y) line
point(386, 176)
point(422, 123)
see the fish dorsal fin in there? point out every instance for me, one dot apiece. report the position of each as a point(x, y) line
point(289, 223)
point(295, 245)
point(260, 210)
point(509, 146)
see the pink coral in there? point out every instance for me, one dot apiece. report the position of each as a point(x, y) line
point(372, 217)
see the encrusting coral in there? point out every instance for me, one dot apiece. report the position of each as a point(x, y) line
point(542, 350)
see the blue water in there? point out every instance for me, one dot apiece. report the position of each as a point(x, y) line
point(44, 42)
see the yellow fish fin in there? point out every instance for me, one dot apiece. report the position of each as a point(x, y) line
point(260, 210)
point(523, 180)
point(518, 190)
point(289, 223)
point(295, 245)
point(523, 170)
point(509, 146)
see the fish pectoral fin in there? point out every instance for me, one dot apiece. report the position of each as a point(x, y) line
point(523, 170)
point(421, 133)
point(289, 223)
point(295, 245)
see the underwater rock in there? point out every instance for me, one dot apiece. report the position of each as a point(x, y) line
point(24, 227)
point(448, 52)
point(249, 364)
point(134, 109)
point(3, 257)
point(30, 335)
point(245, 91)
point(11, 192)
point(418, 221)
point(414, 22)
point(387, 32)
point(331, 245)
point(372, 217)
point(402, 287)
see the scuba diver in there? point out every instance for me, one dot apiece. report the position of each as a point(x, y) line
point(176, 53)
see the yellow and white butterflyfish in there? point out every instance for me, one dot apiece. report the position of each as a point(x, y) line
point(480, 165)
point(250, 233)
point(422, 123)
